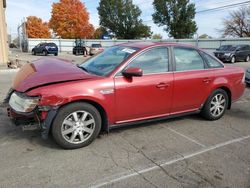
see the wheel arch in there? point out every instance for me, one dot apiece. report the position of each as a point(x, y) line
point(98, 106)
point(50, 119)
point(229, 94)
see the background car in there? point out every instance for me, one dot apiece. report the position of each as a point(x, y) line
point(247, 77)
point(127, 83)
point(233, 53)
point(45, 49)
point(95, 49)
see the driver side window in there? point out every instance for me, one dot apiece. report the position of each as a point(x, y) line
point(152, 61)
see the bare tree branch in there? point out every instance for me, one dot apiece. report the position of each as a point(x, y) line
point(237, 24)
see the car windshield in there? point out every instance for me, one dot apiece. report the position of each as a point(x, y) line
point(105, 62)
point(227, 48)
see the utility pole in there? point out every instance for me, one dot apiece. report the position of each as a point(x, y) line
point(3, 33)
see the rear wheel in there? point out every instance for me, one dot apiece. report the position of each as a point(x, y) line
point(215, 105)
point(247, 58)
point(33, 52)
point(76, 125)
point(56, 54)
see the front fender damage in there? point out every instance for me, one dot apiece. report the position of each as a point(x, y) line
point(46, 125)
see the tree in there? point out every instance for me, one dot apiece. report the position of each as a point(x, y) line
point(204, 36)
point(70, 19)
point(237, 24)
point(99, 32)
point(36, 28)
point(157, 36)
point(177, 17)
point(122, 18)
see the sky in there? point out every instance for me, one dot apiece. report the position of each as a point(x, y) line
point(208, 22)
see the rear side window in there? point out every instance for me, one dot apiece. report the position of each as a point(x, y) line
point(52, 44)
point(188, 59)
point(212, 63)
point(246, 48)
point(152, 61)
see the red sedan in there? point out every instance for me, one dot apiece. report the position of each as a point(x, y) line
point(125, 84)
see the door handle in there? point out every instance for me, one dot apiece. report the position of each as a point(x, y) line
point(162, 85)
point(206, 80)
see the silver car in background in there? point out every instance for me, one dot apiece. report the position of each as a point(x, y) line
point(95, 49)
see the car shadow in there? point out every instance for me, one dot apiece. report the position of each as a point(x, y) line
point(156, 122)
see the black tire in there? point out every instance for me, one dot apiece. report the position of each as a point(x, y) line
point(206, 110)
point(247, 58)
point(233, 59)
point(45, 53)
point(56, 54)
point(77, 52)
point(63, 113)
point(33, 52)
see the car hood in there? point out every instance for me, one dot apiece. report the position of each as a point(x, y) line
point(47, 71)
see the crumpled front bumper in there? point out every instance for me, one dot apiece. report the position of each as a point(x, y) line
point(32, 120)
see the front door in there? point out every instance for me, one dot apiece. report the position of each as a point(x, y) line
point(147, 96)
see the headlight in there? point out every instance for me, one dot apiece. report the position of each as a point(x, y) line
point(227, 54)
point(22, 103)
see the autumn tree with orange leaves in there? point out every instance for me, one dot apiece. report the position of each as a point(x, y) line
point(36, 28)
point(70, 19)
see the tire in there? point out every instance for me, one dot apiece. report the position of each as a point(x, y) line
point(77, 52)
point(247, 58)
point(56, 54)
point(209, 110)
point(33, 52)
point(70, 133)
point(45, 53)
point(233, 59)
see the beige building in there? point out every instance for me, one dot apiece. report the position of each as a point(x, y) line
point(3, 33)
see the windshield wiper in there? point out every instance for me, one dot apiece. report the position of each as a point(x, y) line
point(83, 68)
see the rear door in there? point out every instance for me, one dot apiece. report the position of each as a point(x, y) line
point(191, 82)
point(242, 52)
point(147, 96)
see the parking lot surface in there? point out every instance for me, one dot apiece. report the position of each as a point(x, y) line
point(181, 152)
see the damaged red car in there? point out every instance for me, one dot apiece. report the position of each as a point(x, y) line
point(125, 84)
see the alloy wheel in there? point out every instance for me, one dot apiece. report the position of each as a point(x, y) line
point(218, 105)
point(78, 127)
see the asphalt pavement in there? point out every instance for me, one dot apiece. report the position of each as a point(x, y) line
point(181, 152)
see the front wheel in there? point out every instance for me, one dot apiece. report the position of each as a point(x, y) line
point(247, 58)
point(45, 53)
point(76, 125)
point(215, 105)
point(233, 60)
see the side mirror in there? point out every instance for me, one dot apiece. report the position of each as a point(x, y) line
point(132, 71)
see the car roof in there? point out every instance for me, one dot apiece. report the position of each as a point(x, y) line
point(142, 45)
